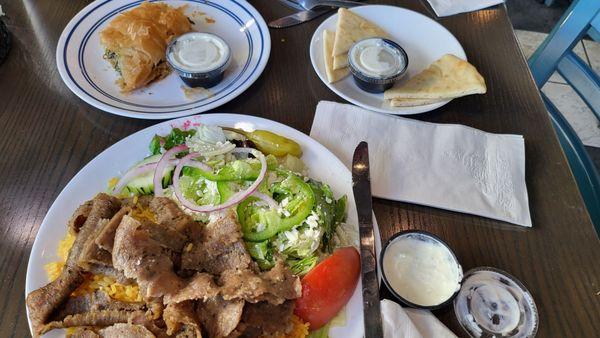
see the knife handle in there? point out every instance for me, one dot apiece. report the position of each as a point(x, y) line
point(370, 282)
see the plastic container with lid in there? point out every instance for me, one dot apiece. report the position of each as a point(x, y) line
point(376, 63)
point(488, 302)
point(492, 303)
point(420, 269)
point(200, 59)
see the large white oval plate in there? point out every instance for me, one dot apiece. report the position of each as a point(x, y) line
point(423, 39)
point(89, 76)
point(93, 178)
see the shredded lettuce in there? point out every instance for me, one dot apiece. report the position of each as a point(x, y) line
point(175, 138)
point(294, 164)
point(208, 139)
point(303, 240)
point(302, 266)
point(200, 190)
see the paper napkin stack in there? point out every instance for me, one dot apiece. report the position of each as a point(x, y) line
point(450, 167)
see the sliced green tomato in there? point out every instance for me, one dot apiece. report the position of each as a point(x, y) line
point(260, 223)
point(238, 170)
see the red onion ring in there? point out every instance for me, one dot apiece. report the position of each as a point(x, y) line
point(266, 198)
point(223, 150)
point(135, 172)
point(162, 165)
point(199, 165)
point(132, 173)
point(235, 198)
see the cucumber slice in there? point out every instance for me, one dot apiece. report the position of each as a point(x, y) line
point(144, 185)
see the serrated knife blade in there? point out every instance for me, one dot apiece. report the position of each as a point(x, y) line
point(361, 187)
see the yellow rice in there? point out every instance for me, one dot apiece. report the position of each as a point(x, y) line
point(299, 329)
point(125, 293)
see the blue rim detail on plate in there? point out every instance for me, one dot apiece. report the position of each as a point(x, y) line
point(187, 106)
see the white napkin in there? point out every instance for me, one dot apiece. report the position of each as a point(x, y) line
point(401, 322)
point(451, 7)
point(446, 166)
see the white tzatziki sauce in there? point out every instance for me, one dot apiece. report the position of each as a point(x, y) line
point(375, 58)
point(421, 269)
point(198, 52)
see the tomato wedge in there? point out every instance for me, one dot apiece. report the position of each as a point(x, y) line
point(328, 287)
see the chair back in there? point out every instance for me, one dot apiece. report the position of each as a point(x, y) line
point(556, 54)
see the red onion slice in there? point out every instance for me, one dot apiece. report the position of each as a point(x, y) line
point(131, 174)
point(162, 165)
point(135, 172)
point(223, 150)
point(199, 165)
point(266, 198)
point(235, 198)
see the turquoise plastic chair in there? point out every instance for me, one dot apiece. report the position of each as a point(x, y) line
point(556, 54)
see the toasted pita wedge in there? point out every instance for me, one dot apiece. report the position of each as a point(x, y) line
point(340, 61)
point(446, 78)
point(332, 75)
point(413, 102)
point(351, 28)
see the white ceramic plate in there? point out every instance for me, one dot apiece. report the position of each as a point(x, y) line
point(423, 39)
point(93, 178)
point(89, 76)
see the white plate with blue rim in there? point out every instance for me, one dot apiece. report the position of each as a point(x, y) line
point(423, 39)
point(83, 69)
point(93, 178)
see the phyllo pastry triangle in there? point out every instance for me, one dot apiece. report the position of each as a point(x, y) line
point(135, 42)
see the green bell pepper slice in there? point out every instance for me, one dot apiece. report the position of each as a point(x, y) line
point(262, 254)
point(259, 223)
point(238, 170)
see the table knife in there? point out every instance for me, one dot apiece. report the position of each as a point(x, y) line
point(361, 187)
point(298, 18)
point(292, 4)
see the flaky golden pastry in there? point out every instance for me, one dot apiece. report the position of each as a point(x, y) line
point(135, 42)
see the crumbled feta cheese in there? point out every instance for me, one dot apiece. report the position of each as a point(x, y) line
point(313, 220)
point(328, 200)
point(209, 139)
point(292, 235)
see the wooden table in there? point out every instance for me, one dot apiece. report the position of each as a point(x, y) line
point(48, 134)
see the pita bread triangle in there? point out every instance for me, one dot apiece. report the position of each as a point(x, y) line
point(332, 75)
point(446, 78)
point(350, 28)
point(413, 102)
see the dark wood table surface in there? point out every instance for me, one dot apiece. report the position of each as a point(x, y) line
point(48, 135)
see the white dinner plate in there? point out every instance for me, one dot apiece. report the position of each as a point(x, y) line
point(89, 76)
point(423, 39)
point(93, 178)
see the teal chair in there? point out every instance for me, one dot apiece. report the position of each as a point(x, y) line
point(556, 54)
